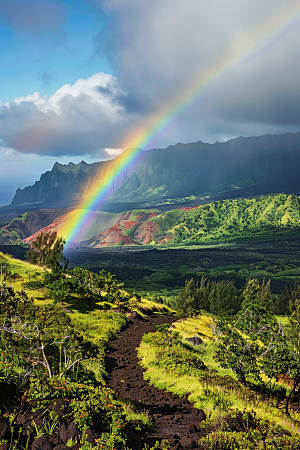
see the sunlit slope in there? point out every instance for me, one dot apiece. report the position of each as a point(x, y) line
point(16, 273)
point(220, 221)
point(242, 218)
point(100, 221)
point(29, 223)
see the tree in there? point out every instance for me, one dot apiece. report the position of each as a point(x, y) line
point(246, 341)
point(34, 334)
point(47, 249)
point(218, 297)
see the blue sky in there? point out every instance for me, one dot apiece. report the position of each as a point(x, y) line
point(79, 77)
point(46, 59)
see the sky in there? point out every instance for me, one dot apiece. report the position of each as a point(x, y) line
point(77, 78)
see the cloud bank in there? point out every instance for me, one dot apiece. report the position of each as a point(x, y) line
point(85, 117)
point(158, 48)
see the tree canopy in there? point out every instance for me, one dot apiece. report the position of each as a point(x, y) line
point(47, 249)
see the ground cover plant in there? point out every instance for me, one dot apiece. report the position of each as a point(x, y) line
point(52, 370)
point(56, 345)
point(50, 362)
point(235, 375)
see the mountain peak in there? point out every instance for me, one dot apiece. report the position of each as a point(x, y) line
point(248, 165)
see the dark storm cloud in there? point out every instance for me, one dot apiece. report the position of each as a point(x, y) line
point(282, 108)
point(159, 49)
point(164, 44)
point(130, 104)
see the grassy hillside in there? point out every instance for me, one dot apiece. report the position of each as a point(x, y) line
point(219, 221)
point(240, 219)
point(52, 353)
point(75, 335)
point(244, 417)
point(15, 273)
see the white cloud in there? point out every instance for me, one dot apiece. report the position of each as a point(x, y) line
point(114, 151)
point(9, 154)
point(159, 47)
point(81, 118)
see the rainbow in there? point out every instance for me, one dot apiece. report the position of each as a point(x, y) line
point(268, 37)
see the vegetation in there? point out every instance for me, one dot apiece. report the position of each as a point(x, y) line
point(47, 249)
point(56, 323)
point(216, 297)
point(51, 355)
point(229, 220)
point(163, 271)
point(240, 386)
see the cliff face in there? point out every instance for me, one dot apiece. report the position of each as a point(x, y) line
point(62, 182)
point(263, 165)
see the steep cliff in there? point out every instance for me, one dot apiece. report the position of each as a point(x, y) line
point(261, 165)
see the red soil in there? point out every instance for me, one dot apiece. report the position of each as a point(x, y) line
point(54, 226)
point(165, 239)
point(145, 232)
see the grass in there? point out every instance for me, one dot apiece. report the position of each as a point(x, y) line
point(216, 390)
point(148, 306)
point(26, 272)
point(132, 414)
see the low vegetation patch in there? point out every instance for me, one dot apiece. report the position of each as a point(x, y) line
point(52, 355)
point(232, 377)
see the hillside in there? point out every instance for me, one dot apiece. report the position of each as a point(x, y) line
point(46, 400)
point(29, 223)
point(218, 221)
point(253, 165)
point(174, 382)
point(104, 228)
point(240, 219)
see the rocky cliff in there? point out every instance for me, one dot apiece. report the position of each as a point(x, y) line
point(259, 165)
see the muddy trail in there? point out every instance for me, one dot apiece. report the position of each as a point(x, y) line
point(172, 418)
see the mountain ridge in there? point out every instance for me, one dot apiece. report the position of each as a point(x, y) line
point(263, 164)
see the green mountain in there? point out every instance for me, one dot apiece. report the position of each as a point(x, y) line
point(223, 220)
point(219, 221)
point(242, 166)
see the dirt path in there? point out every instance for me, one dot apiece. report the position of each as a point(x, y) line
point(173, 418)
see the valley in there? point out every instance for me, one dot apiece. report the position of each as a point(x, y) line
point(149, 225)
point(96, 335)
point(79, 332)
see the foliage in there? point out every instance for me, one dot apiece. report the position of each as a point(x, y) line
point(216, 297)
point(250, 440)
point(246, 340)
point(257, 348)
point(61, 284)
point(48, 342)
point(226, 220)
point(46, 249)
